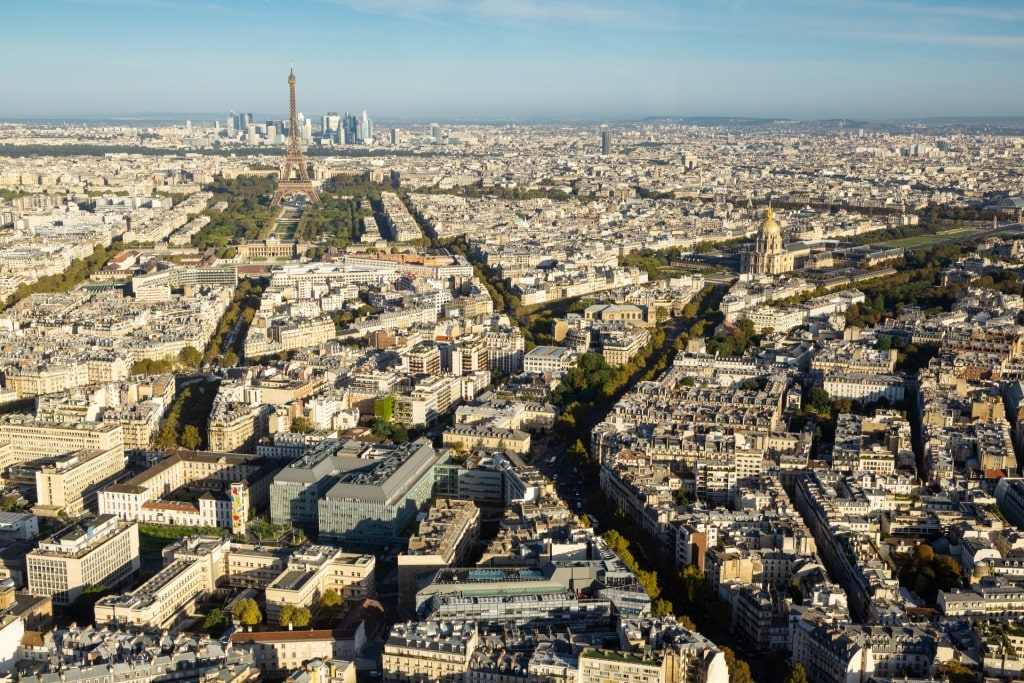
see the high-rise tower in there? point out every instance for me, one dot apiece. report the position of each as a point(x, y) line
point(294, 176)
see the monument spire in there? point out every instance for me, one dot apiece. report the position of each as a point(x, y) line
point(294, 177)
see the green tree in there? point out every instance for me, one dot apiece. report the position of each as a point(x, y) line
point(923, 554)
point(648, 579)
point(216, 622)
point(190, 438)
point(168, 436)
point(616, 541)
point(818, 399)
point(12, 502)
point(578, 452)
point(330, 602)
point(302, 425)
point(739, 670)
point(265, 530)
point(797, 674)
point(662, 608)
point(565, 427)
point(795, 592)
point(681, 497)
point(247, 612)
point(294, 615)
point(399, 434)
point(229, 359)
point(381, 428)
point(190, 357)
point(954, 672)
point(946, 566)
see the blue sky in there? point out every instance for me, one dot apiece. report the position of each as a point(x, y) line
point(516, 59)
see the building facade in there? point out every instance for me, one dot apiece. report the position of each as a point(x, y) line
point(101, 551)
point(769, 257)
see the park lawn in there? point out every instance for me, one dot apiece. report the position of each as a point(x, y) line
point(922, 240)
point(153, 538)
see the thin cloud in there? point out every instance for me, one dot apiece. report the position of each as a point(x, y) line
point(160, 4)
point(966, 39)
point(530, 10)
point(512, 11)
point(980, 11)
point(422, 10)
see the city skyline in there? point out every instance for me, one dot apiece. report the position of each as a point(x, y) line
point(519, 59)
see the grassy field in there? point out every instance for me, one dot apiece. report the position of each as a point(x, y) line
point(924, 240)
point(154, 538)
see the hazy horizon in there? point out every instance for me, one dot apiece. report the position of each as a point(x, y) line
point(507, 60)
point(200, 118)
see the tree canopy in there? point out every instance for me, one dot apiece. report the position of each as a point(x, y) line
point(75, 273)
point(648, 579)
point(248, 215)
point(247, 612)
point(190, 357)
point(216, 622)
point(330, 602)
point(294, 615)
point(662, 608)
point(797, 674)
point(926, 573)
point(954, 672)
point(191, 438)
point(739, 671)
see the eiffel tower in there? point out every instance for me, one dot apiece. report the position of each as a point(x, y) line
point(294, 177)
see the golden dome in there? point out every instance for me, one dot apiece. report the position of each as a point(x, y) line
point(770, 224)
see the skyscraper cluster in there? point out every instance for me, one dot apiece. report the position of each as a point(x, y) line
point(350, 129)
point(357, 129)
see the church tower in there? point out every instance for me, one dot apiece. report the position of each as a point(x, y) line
point(768, 257)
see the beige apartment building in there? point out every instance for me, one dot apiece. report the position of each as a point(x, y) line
point(46, 379)
point(69, 483)
point(301, 334)
point(139, 423)
point(195, 567)
point(609, 666)
point(485, 436)
point(102, 550)
point(276, 653)
point(252, 568)
point(235, 427)
point(620, 348)
point(229, 483)
point(313, 570)
point(33, 439)
point(329, 671)
point(436, 651)
point(693, 660)
point(445, 538)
